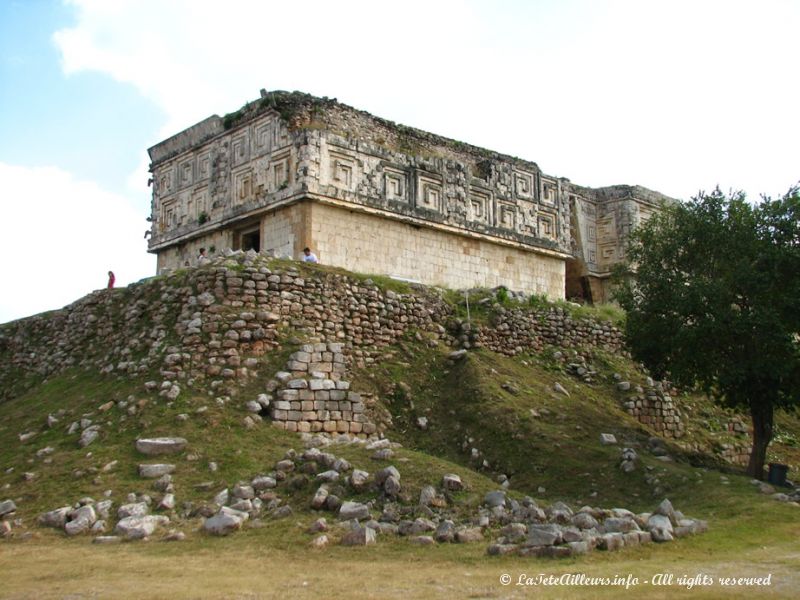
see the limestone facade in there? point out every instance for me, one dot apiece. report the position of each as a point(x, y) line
point(292, 170)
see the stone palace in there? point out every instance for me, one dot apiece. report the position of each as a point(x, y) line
point(291, 170)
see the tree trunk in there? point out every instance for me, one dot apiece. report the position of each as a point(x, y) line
point(762, 416)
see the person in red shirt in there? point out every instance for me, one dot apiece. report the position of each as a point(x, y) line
point(111, 280)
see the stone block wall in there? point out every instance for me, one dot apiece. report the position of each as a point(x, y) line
point(371, 244)
point(518, 330)
point(737, 454)
point(657, 410)
point(314, 396)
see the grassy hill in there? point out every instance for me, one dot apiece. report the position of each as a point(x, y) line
point(486, 417)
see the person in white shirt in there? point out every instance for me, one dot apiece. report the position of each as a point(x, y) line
point(309, 256)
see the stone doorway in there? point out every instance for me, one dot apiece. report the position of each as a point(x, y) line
point(250, 240)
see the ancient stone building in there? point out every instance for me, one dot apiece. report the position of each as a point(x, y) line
point(291, 170)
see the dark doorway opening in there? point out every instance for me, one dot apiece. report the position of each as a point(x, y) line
point(251, 240)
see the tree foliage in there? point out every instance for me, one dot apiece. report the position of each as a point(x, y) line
point(712, 293)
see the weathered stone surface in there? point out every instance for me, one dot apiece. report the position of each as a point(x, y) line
point(445, 531)
point(452, 482)
point(659, 522)
point(457, 355)
point(319, 525)
point(136, 528)
point(514, 532)
point(610, 542)
point(608, 439)
point(497, 498)
point(321, 541)
point(285, 465)
point(99, 526)
point(333, 503)
point(222, 497)
point(471, 534)
point(420, 525)
point(543, 535)
point(80, 520)
point(427, 495)
point(584, 520)
point(666, 509)
point(88, 436)
point(243, 491)
point(263, 482)
point(359, 537)
point(328, 476)
point(320, 497)
point(358, 479)
point(383, 474)
point(226, 521)
point(161, 445)
point(167, 502)
point(572, 534)
point(7, 507)
point(154, 471)
point(557, 387)
point(55, 518)
point(659, 534)
point(242, 504)
point(353, 510)
point(619, 525)
point(577, 548)
point(391, 486)
point(383, 454)
point(136, 509)
point(660, 528)
point(559, 512)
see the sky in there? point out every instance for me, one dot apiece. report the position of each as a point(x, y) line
point(678, 96)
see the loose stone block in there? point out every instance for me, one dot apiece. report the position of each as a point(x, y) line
point(164, 445)
point(155, 471)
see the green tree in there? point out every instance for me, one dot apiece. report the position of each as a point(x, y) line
point(712, 293)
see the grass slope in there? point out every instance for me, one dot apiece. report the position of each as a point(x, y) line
point(545, 442)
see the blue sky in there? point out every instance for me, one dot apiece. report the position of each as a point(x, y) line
point(677, 96)
point(78, 122)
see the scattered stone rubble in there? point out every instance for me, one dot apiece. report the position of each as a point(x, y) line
point(519, 527)
point(511, 526)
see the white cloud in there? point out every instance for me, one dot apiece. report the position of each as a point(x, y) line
point(59, 238)
point(673, 95)
point(194, 58)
